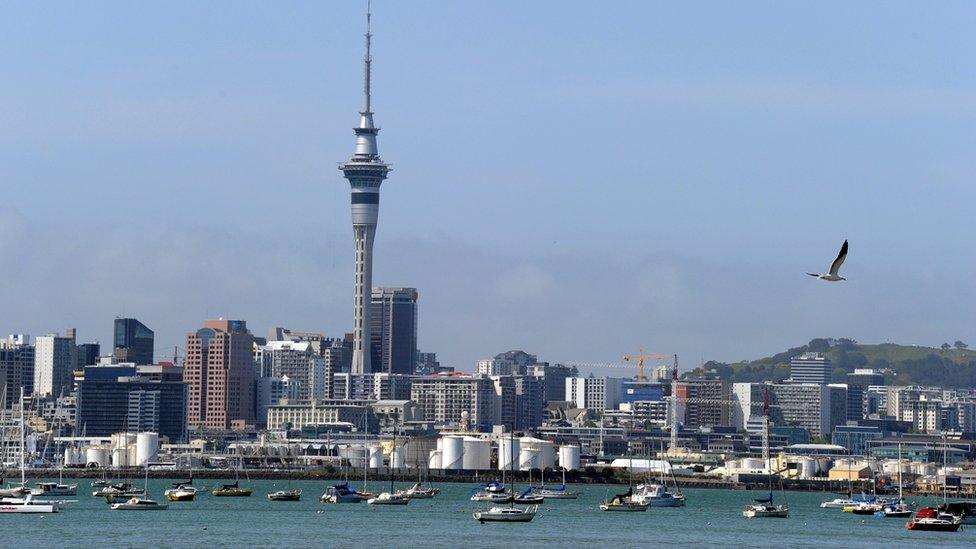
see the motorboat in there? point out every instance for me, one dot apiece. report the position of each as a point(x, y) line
point(286, 495)
point(479, 494)
point(494, 487)
point(232, 490)
point(506, 514)
point(931, 519)
point(342, 493)
point(657, 495)
point(386, 498)
point(54, 489)
point(140, 504)
point(417, 491)
point(842, 503)
point(623, 502)
point(27, 505)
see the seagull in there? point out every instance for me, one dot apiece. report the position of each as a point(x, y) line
point(832, 276)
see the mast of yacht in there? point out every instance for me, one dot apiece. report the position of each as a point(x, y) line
point(365, 451)
point(945, 466)
point(23, 444)
point(901, 497)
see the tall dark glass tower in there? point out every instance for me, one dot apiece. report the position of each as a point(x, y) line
point(365, 172)
point(133, 341)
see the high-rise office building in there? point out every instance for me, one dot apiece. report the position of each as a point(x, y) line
point(595, 393)
point(117, 398)
point(442, 399)
point(54, 362)
point(88, 354)
point(393, 313)
point(553, 377)
point(705, 402)
point(811, 368)
point(219, 372)
point(365, 172)
point(133, 341)
point(16, 369)
point(300, 363)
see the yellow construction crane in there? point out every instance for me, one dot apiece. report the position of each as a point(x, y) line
point(640, 358)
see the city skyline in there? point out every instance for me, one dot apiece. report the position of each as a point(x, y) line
point(540, 236)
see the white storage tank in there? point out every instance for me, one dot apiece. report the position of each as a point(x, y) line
point(453, 452)
point(121, 440)
point(398, 457)
point(147, 447)
point(99, 455)
point(375, 456)
point(569, 457)
point(477, 454)
point(529, 458)
point(508, 451)
point(70, 456)
point(354, 454)
point(753, 464)
point(807, 468)
point(120, 457)
point(434, 460)
point(545, 449)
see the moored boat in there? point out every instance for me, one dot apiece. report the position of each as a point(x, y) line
point(27, 505)
point(140, 504)
point(286, 495)
point(657, 495)
point(54, 489)
point(342, 493)
point(417, 491)
point(232, 490)
point(506, 514)
point(623, 503)
point(929, 519)
point(386, 498)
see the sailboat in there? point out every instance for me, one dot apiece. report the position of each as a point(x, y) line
point(657, 494)
point(897, 509)
point(554, 492)
point(233, 490)
point(764, 507)
point(418, 491)
point(141, 503)
point(510, 513)
point(55, 488)
point(392, 497)
point(625, 502)
point(26, 504)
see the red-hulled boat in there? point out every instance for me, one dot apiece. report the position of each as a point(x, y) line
point(930, 519)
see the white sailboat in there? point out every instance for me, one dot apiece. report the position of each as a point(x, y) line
point(510, 513)
point(142, 503)
point(26, 504)
point(392, 497)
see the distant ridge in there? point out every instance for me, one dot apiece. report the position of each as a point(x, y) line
point(900, 364)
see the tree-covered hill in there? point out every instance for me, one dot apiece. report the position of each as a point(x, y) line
point(947, 366)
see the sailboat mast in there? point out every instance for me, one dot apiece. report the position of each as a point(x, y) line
point(901, 496)
point(23, 444)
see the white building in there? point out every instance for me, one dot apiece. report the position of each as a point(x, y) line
point(299, 362)
point(596, 393)
point(54, 362)
point(811, 368)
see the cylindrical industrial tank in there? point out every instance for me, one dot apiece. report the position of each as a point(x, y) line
point(508, 451)
point(434, 461)
point(99, 455)
point(375, 456)
point(477, 454)
point(70, 453)
point(398, 457)
point(120, 457)
point(355, 455)
point(529, 458)
point(923, 469)
point(823, 466)
point(547, 454)
point(569, 457)
point(753, 463)
point(147, 447)
point(732, 465)
point(121, 440)
point(807, 467)
point(453, 452)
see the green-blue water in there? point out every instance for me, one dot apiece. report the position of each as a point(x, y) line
point(711, 517)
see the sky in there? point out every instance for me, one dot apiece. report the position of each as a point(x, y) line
point(575, 179)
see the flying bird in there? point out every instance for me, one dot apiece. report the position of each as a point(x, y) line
point(832, 275)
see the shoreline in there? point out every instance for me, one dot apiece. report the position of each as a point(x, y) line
point(574, 477)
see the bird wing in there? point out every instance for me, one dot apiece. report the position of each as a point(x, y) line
point(835, 266)
point(813, 274)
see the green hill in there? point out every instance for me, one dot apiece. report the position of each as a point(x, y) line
point(900, 364)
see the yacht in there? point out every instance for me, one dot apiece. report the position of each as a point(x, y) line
point(506, 514)
point(232, 490)
point(387, 498)
point(765, 510)
point(657, 495)
point(54, 489)
point(529, 497)
point(120, 490)
point(623, 503)
point(864, 508)
point(181, 492)
point(965, 510)
point(554, 492)
point(140, 504)
point(342, 493)
point(286, 495)
point(14, 491)
point(27, 505)
point(931, 519)
point(494, 497)
point(417, 491)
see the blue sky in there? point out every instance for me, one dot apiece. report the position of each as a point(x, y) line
point(577, 179)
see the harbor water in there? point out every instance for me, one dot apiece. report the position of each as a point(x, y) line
point(711, 517)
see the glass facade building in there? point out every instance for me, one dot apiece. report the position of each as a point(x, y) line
point(113, 399)
point(133, 341)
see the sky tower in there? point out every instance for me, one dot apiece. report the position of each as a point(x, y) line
point(365, 172)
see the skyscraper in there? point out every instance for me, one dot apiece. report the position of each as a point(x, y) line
point(811, 368)
point(133, 341)
point(394, 330)
point(54, 362)
point(365, 172)
point(219, 372)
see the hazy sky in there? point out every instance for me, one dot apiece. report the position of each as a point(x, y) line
point(577, 179)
